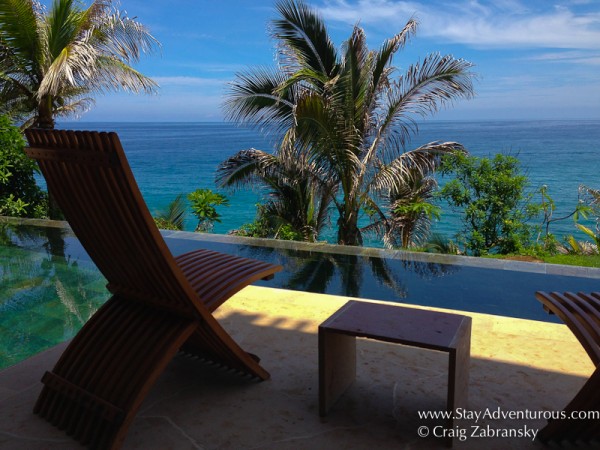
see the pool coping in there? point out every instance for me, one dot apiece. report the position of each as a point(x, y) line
point(322, 247)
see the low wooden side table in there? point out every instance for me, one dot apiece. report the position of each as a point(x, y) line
point(432, 330)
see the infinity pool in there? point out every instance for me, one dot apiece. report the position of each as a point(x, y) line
point(50, 287)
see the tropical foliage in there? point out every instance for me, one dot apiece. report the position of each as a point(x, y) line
point(411, 207)
point(588, 208)
point(345, 118)
point(173, 218)
point(19, 194)
point(548, 207)
point(297, 203)
point(52, 61)
point(490, 195)
point(204, 203)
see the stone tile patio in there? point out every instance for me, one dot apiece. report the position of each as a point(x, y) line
point(516, 365)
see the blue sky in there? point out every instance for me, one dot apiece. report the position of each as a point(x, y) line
point(537, 59)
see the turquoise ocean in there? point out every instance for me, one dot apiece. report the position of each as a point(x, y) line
point(172, 158)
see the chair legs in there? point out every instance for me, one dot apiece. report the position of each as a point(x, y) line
point(101, 379)
point(581, 313)
point(231, 356)
point(570, 427)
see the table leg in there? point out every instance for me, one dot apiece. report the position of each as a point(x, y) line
point(458, 373)
point(337, 367)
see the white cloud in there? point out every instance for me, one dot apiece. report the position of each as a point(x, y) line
point(368, 11)
point(570, 57)
point(500, 24)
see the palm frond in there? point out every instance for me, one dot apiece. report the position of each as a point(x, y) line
point(176, 211)
point(422, 90)
point(354, 82)
point(19, 28)
point(75, 107)
point(63, 25)
point(304, 38)
point(253, 98)
point(592, 195)
point(243, 168)
point(113, 33)
point(174, 215)
point(303, 77)
point(388, 49)
point(112, 74)
point(424, 160)
point(438, 243)
point(438, 80)
point(74, 63)
point(14, 92)
point(318, 131)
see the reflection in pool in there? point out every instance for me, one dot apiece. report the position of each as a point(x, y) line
point(50, 287)
point(467, 288)
point(46, 295)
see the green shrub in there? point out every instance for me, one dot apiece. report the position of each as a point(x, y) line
point(165, 224)
point(267, 225)
point(490, 195)
point(19, 194)
point(204, 203)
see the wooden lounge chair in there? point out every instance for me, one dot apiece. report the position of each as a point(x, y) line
point(159, 304)
point(581, 313)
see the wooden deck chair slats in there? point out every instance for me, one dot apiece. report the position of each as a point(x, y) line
point(591, 304)
point(568, 307)
point(581, 313)
point(160, 304)
point(136, 258)
point(212, 276)
point(120, 387)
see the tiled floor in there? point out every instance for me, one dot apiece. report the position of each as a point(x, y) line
point(516, 365)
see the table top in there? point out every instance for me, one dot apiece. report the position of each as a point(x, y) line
point(410, 326)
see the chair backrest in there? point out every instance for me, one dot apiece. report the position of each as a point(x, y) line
point(88, 175)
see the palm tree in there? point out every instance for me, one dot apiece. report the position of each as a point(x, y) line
point(51, 60)
point(297, 198)
point(347, 111)
point(411, 211)
point(410, 206)
point(318, 270)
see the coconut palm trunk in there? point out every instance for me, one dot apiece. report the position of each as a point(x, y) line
point(44, 117)
point(348, 231)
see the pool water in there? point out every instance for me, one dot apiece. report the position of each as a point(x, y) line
point(407, 280)
point(50, 288)
point(46, 296)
